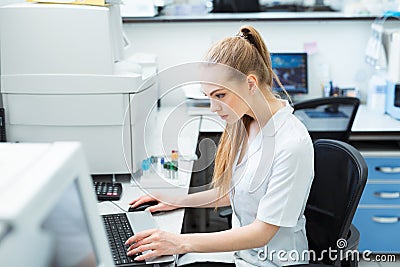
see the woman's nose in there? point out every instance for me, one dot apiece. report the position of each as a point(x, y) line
point(214, 105)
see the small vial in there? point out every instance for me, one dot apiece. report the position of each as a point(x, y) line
point(153, 163)
point(145, 167)
point(171, 171)
point(175, 157)
point(166, 170)
point(175, 172)
point(160, 165)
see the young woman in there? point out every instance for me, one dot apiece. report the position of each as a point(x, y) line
point(263, 167)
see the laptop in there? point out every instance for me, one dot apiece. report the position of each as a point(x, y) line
point(120, 226)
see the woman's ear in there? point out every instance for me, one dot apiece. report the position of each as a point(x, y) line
point(252, 83)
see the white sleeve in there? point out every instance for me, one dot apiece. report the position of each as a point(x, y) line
point(289, 185)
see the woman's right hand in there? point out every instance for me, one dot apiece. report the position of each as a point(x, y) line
point(161, 206)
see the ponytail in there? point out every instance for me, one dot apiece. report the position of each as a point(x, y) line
point(250, 34)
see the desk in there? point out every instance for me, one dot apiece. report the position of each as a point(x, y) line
point(368, 125)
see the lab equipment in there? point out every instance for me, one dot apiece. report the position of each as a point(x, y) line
point(375, 54)
point(292, 71)
point(393, 100)
point(392, 41)
point(383, 52)
point(58, 202)
point(64, 84)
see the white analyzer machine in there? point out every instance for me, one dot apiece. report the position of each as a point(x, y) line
point(50, 202)
point(64, 78)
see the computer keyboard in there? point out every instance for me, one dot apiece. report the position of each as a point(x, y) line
point(107, 190)
point(118, 230)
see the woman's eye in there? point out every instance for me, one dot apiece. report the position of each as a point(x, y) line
point(219, 95)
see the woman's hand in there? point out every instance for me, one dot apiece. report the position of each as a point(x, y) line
point(161, 206)
point(158, 242)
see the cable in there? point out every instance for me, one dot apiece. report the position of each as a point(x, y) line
point(118, 206)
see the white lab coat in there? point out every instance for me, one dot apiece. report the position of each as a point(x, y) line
point(271, 184)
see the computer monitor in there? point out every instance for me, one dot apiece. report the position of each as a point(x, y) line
point(292, 71)
point(49, 208)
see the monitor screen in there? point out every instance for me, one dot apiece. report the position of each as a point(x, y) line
point(291, 69)
point(59, 202)
point(69, 229)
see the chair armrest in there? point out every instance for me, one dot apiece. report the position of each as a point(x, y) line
point(225, 213)
point(353, 239)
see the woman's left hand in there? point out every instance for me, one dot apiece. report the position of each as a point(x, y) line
point(158, 242)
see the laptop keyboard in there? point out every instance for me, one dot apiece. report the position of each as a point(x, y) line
point(118, 230)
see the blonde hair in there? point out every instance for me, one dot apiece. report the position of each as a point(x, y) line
point(247, 53)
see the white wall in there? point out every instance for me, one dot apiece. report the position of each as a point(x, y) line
point(6, 2)
point(341, 45)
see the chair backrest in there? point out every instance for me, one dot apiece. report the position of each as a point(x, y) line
point(340, 178)
point(328, 117)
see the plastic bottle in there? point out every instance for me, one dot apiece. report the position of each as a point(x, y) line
point(377, 91)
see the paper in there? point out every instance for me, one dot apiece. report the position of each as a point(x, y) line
point(311, 48)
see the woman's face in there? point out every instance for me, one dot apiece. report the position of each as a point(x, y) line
point(225, 102)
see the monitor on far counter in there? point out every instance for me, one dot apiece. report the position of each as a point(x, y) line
point(292, 70)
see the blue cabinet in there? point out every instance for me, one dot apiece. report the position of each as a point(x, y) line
point(378, 214)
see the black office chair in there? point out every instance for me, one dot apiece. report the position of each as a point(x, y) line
point(340, 177)
point(328, 117)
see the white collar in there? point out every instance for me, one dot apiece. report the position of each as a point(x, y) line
point(278, 119)
point(269, 130)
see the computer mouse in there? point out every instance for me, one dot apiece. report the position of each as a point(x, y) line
point(143, 206)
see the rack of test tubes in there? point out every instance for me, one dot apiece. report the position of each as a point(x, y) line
point(168, 168)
